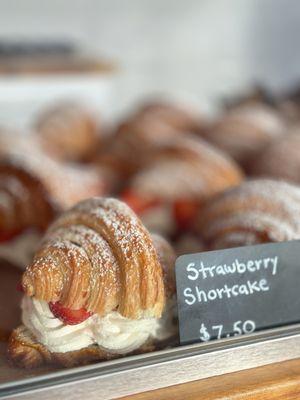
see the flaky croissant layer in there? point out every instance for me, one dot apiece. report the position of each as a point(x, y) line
point(98, 256)
point(258, 211)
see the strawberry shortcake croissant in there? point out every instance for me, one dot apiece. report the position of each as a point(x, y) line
point(143, 133)
point(100, 286)
point(68, 132)
point(280, 160)
point(257, 211)
point(245, 130)
point(170, 190)
point(33, 190)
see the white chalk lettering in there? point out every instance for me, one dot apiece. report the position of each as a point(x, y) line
point(212, 294)
point(204, 270)
point(274, 261)
point(237, 266)
point(191, 268)
point(220, 292)
point(227, 291)
point(241, 267)
point(188, 293)
point(251, 266)
point(220, 270)
point(230, 269)
point(263, 284)
point(201, 294)
point(244, 289)
point(258, 264)
point(235, 290)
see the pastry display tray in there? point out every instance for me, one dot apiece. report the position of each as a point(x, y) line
point(117, 378)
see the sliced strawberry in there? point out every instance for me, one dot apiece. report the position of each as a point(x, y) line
point(8, 235)
point(184, 212)
point(68, 316)
point(137, 203)
point(19, 287)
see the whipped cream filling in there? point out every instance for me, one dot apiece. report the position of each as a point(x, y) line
point(114, 333)
point(19, 250)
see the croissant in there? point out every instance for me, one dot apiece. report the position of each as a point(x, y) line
point(280, 160)
point(140, 136)
point(67, 132)
point(168, 192)
point(98, 266)
point(244, 131)
point(177, 116)
point(33, 190)
point(258, 211)
point(256, 96)
point(289, 105)
point(16, 142)
point(143, 133)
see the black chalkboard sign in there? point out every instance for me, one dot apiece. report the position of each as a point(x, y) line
point(235, 291)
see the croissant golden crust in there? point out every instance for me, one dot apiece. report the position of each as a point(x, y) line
point(24, 200)
point(67, 132)
point(189, 168)
point(280, 160)
point(178, 116)
point(99, 256)
point(257, 211)
point(34, 188)
point(245, 130)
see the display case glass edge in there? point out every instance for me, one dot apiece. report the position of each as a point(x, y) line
point(164, 368)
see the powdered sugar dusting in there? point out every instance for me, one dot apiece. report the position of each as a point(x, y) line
point(113, 214)
point(260, 116)
point(64, 184)
point(240, 238)
point(187, 168)
point(117, 266)
point(271, 208)
point(165, 178)
point(278, 230)
point(281, 159)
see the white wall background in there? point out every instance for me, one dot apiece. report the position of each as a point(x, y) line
point(196, 48)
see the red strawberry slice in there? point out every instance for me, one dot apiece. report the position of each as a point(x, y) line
point(6, 236)
point(184, 212)
point(137, 203)
point(68, 316)
point(19, 287)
